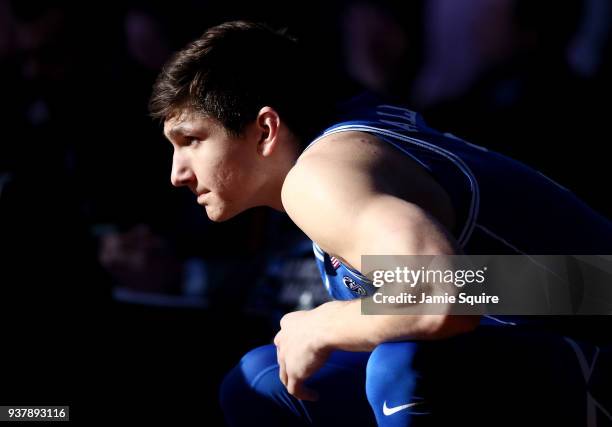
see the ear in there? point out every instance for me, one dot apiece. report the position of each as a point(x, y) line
point(268, 126)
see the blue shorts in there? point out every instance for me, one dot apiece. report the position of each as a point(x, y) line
point(492, 376)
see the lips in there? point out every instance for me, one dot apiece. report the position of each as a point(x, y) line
point(202, 197)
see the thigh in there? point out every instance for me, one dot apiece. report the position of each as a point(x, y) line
point(492, 376)
point(341, 387)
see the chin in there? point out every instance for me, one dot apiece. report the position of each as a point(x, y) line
point(216, 214)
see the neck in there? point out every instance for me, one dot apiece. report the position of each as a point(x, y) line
point(281, 164)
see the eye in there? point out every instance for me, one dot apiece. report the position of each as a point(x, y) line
point(190, 141)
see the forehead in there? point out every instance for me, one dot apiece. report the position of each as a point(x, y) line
point(188, 123)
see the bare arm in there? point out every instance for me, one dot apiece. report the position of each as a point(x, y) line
point(344, 203)
point(387, 225)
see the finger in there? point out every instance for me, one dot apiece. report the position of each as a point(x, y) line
point(298, 390)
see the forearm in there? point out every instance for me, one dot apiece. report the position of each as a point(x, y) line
point(347, 329)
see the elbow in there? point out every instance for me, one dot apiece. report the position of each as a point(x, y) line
point(446, 326)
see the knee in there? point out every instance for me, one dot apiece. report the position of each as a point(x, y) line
point(253, 391)
point(392, 366)
point(248, 377)
point(389, 359)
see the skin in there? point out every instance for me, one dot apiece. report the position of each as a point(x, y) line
point(265, 167)
point(230, 174)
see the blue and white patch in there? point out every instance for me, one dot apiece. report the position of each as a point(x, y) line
point(353, 286)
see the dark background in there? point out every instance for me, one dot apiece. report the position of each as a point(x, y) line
point(117, 296)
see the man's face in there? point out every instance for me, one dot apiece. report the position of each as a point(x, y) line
point(220, 169)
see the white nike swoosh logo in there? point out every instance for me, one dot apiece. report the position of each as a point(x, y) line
point(390, 411)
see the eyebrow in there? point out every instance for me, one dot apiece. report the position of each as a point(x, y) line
point(180, 130)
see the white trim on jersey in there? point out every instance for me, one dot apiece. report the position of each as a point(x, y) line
point(587, 371)
point(318, 252)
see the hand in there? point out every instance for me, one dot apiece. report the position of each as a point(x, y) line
point(300, 351)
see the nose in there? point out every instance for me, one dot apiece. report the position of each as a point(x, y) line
point(181, 174)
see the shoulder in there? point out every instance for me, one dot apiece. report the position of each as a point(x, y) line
point(347, 168)
point(348, 184)
point(324, 189)
point(341, 168)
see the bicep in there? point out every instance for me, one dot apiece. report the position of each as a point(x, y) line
point(388, 225)
point(343, 211)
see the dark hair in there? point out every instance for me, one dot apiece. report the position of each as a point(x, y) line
point(236, 68)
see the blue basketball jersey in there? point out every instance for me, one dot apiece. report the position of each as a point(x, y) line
point(502, 206)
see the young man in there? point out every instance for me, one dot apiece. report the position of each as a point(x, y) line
point(239, 106)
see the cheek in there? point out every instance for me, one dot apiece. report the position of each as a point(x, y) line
point(211, 171)
point(223, 171)
point(221, 180)
point(231, 176)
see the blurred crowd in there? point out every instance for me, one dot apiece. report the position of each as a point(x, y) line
point(87, 213)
